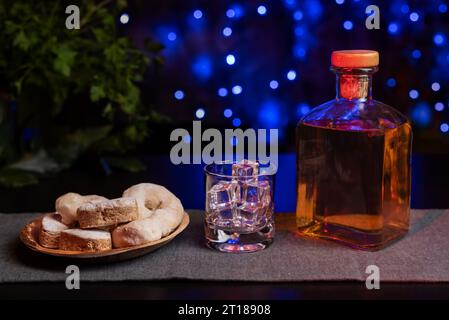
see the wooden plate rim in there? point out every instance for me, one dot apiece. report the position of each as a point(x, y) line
point(27, 238)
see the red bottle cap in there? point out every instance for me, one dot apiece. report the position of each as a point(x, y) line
point(355, 58)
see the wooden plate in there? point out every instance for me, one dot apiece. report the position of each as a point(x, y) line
point(30, 237)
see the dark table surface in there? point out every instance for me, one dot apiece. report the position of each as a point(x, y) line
point(430, 189)
point(195, 290)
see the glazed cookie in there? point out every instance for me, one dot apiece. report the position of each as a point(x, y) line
point(85, 240)
point(107, 213)
point(166, 214)
point(51, 230)
point(67, 205)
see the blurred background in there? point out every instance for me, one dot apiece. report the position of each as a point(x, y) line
point(264, 64)
point(91, 110)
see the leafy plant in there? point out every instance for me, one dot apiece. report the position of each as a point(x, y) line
point(67, 93)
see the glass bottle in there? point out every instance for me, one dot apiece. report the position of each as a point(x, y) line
point(353, 162)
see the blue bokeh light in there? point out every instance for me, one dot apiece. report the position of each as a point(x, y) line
point(290, 3)
point(227, 113)
point(414, 16)
point(416, 54)
point(202, 67)
point(339, 1)
point(444, 127)
point(222, 92)
point(200, 113)
point(230, 13)
point(235, 11)
point(413, 94)
point(302, 109)
point(421, 114)
point(439, 39)
point(124, 18)
point(435, 86)
point(393, 28)
point(168, 36)
point(291, 75)
point(439, 106)
point(171, 36)
point(179, 94)
point(237, 89)
point(270, 114)
point(298, 15)
point(274, 84)
point(230, 59)
point(227, 31)
point(348, 25)
point(299, 51)
point(391, 82)
point(197, 14)
point(313, 9)
point(404, 8)
point(299, 31)
point(201, 47)
point(236, 122)
point(262, 10)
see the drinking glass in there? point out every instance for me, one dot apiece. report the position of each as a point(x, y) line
point(239, 206)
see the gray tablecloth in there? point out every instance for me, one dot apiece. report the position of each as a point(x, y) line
point(423, 255)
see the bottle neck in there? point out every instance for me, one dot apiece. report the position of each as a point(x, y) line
point(354, 84)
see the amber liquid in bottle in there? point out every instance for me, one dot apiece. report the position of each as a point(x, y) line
point(353, 168)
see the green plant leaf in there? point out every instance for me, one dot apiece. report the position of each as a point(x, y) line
point(108, 19)
point(130, 164)
point(10, 27)
point(18, 85)
point(22, 41)
point(131, 133)
point(64, 60)
point(16, 178)
point(96, 93)
point(114, 54)
point(61, 67)
point(129, 102)
point(100, 34)
point(77, 89)
point(108, 112)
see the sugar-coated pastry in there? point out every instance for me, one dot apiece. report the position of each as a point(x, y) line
point(67, 205)
point(51, 230)
point(161, 210)
point(85, 240)
point(107, 213)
